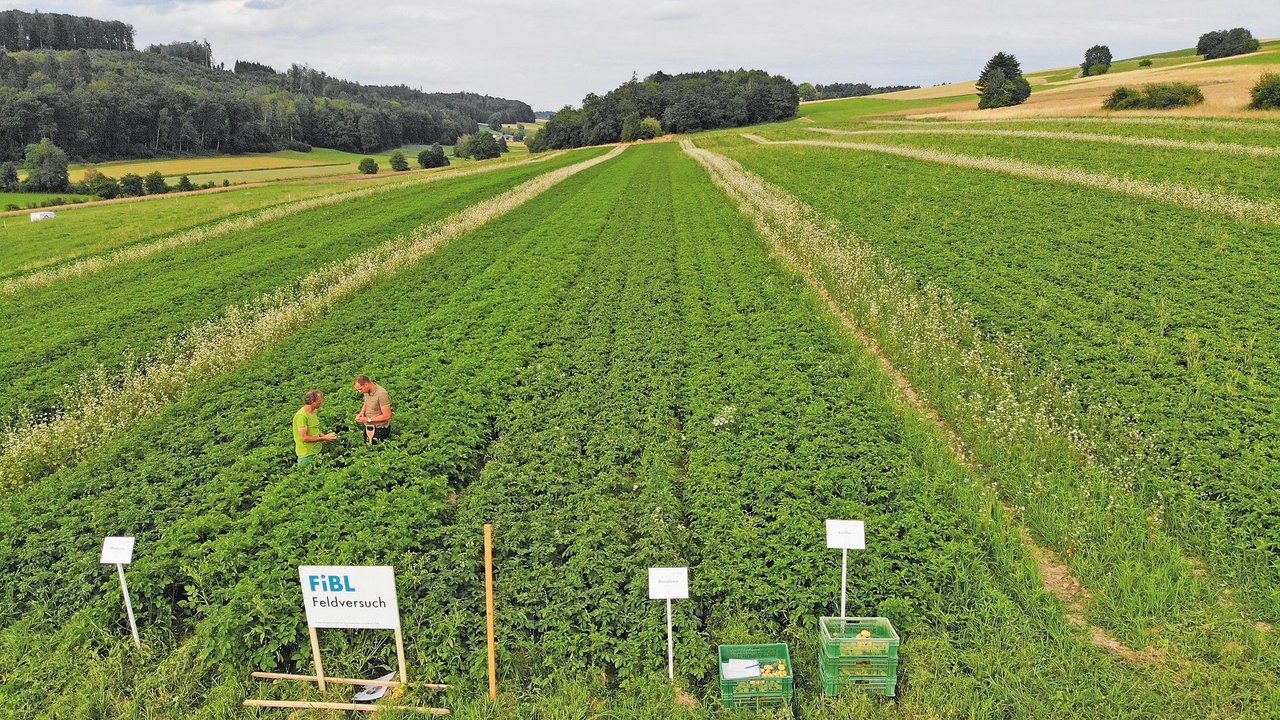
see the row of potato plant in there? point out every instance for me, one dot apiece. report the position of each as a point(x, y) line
point(1058, 444)
point(618, 375)
point(99, 406)
point(221, 515)
point(55, 335)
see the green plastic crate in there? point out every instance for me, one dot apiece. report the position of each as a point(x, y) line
point(858, 666)
point(839, 637)
point(886, 686)
point(757, 692)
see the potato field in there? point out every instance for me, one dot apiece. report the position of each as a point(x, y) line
point(1040, 358)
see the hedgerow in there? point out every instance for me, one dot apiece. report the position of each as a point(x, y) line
point(1154, 96)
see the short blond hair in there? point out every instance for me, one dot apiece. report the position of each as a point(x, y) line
point(311, 397)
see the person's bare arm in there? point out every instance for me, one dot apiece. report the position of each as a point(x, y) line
point(384, 417)
point(307, 437)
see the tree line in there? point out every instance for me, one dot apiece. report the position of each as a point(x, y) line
point(687, 102)
point(79, 82)
point(809, 91)
point(200, 53)
point(56, 31)
point(101, 105)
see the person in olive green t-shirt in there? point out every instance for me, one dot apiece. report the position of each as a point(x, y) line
point(306, 428)
point(375, 413)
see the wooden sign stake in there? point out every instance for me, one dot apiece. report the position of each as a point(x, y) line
point(845, 535)
point(128, 606)
point(315, 654)
point(323, 682)
point(488, 597)
point(404, 673)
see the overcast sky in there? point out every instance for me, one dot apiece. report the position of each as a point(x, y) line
point(552, 52)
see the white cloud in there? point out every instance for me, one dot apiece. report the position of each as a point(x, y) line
point(553, 52)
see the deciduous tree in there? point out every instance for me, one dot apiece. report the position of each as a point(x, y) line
point(155, 184)
point(46, 166)
point(1225, 43)
point(1097, 61)
point(132, 185)
point(433, 157)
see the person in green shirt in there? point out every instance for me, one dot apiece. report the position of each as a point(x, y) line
point(306, 428)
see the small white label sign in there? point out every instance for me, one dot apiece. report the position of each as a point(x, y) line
point(117, 550)
point(846, 535)
point(337, 596)
point(668, 583)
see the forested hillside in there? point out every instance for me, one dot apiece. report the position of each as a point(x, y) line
point(687, 102)
point(56, 31)
point(105, 104)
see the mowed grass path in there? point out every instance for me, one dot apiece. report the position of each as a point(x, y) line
point(637, 277)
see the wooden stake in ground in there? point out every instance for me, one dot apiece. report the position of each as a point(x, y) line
point(346, 681)
point(488, 598)
point(315, 655)
point(118, 551)
point(356, 707)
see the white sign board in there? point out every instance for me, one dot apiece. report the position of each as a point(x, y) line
point(846, 535)
point(117, 550)
point(337, 596)
point(668, 583)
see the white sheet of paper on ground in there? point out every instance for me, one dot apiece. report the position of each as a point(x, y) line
point(740, 669)
point(369, 693)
